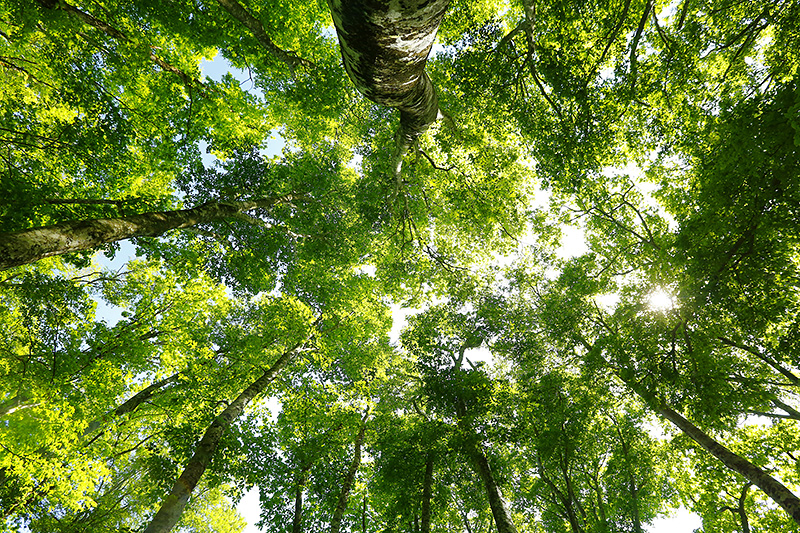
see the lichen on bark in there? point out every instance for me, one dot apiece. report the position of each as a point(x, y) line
point(385, 47)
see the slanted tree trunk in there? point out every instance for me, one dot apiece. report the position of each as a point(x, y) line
point(752, 473)
point(132, 403)
point(502, 517)
point(349, 479)
point(385, 46)
point(30, 245)
point(20, 401)
point(173, 505)
point(427, 489)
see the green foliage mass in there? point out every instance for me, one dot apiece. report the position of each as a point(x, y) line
point(667, 134)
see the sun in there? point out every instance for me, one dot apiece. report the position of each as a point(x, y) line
point(660, 300)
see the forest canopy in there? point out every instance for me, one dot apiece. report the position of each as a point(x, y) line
point(434, 156)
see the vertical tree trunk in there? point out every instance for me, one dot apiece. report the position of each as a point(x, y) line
point(173, 505)
point(364, 516)
point(29, 245)
point(502, 517)
point(349, 479)
point(637, 521)
point(297, 519)
point(385, 46)
point(427, 489)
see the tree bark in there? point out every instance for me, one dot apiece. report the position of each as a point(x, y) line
point(297, 519)
point(30, 245)
point(752, 473)
point(385, 47)
point(636, 516)
point(20, 401)
point(502, 517)
point(238, 11)
point(349, 479)
point(173, 505)
point(133, 402)
point(427, 487)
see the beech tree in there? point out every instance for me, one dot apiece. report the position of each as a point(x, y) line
point(539, 386)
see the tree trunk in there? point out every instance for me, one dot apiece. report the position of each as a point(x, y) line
point(364, 516)
point(426, 495)
point(771, 486)
point(636, 516)
point(176, 500)
point(349, 479)
point(238, 11)
point(133, 402)
point(385, 46)
point(502, 517)
point(30, 245)
point(20, 401)
point(297, 519)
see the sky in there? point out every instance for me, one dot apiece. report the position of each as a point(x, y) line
point(573, 244)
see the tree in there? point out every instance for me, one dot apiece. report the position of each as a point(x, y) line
point(385, 49)
point(667, 134)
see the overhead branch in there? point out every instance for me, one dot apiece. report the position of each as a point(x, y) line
point(30, 245)
point(635, 42)
point(113, 32)
point(609, 42)
point(530, 19)
point(794, 379)
point(287, 57)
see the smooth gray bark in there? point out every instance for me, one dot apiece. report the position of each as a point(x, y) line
point(30, 245)
point(173, 505)
point(385, 46)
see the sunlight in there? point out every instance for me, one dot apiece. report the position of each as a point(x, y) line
point(660, 300)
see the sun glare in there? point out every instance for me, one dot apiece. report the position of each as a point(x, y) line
point(660, 300)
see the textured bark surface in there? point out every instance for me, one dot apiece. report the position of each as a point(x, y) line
point(172, 508)
point(752, 473)
point(29, 245)
point(349, 479)
point(385, 46)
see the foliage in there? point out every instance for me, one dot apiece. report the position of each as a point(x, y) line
point(667, 133)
